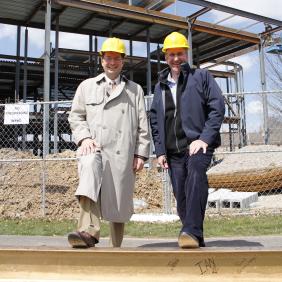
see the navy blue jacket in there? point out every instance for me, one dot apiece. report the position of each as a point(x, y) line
point(201, 108)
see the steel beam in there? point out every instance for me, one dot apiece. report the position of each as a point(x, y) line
point(234, 11)
point(46, 79)
point(197, 26)
point(225, 32)
point(56, 88)
point(90, 55)
point(33, 12)
point(18, 66)
point(119, 23)
point(25, 83)
point(96, 58)
point(199, 13)
point(264, 97)
point(58, 13)
point(235, 50)
point(140, 30)
point(149, 77)
point(141, 265)
point(25, 65)
point(158, 58)
point(238, 53)
point(122, 10)
point(85, 20)
point(273, 30)
point(190, 49)
point(130, 60)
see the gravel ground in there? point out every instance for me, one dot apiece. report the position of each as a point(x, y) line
point(260, 157)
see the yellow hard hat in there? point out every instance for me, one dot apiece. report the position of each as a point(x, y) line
point(175, 40)
point(113, 44)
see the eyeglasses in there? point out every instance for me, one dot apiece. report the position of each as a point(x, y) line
point(178, 54)
point(114, 59)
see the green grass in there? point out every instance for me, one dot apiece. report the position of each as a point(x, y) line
point(214, 227)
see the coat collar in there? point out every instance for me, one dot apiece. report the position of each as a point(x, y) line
point(102, 78)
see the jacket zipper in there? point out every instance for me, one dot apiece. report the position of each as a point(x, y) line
point(176, 140)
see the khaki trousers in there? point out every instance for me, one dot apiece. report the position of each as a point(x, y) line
point(89, 221)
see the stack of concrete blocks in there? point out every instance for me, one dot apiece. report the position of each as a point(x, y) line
point(225, 198)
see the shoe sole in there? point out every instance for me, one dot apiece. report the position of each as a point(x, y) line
point(76, 242)
point(187, 241)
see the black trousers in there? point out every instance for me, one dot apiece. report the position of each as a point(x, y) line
point(190, 187)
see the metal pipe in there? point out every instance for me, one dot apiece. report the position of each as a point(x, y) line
point(96, 56)
point(46, 79)
point(148, 63)
point(190, 50)
point(56, 86)
point(158, 59)
point(25, 83)
point(264, 97)
point(229, 114)
point(17, 77)
point(238, 106)
point(90, 56)
point(131, 62)
point(243, 111)
point(25, 64)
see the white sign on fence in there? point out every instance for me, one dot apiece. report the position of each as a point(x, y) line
point(16, 114)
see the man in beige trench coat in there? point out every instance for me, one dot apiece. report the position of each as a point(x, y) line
point(109, 124)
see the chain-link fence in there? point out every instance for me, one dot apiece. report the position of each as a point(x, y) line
point(38, 171)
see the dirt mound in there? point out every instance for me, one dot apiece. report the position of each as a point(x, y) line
point(22, 194)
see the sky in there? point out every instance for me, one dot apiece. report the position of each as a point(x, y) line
point(250, 61)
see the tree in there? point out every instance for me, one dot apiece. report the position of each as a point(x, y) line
point(274, 75)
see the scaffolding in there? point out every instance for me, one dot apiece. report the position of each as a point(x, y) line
point(58, 72)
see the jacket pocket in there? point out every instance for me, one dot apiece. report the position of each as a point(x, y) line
point(95, 96)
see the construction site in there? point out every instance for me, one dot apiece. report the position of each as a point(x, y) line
point(38, 174)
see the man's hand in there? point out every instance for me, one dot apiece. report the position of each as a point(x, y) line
point(196, 145)
point(138, 164)
point(88, 146)
point(162, 162)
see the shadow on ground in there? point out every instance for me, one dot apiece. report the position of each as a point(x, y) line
point(215, 243)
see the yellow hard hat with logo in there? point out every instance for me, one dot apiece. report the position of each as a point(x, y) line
point(113, 44)
point(175, 40)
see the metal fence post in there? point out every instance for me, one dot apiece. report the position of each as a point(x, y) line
point(166, 192)
point(46, 79)
point(264, 97)
point(43, 189)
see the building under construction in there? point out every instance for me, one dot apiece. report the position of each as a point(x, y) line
point(56, 74)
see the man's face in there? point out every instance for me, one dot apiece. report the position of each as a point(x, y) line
point(112, 63)
point(175, 57)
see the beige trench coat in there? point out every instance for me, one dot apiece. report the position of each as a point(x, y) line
point(119, 124)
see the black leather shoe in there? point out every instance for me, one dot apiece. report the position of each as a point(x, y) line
point(187, 240)
point(81, 239)
point(201, 242)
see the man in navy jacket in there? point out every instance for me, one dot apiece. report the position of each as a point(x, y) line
point(186, 116)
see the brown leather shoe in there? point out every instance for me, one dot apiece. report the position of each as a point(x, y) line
point(81, 239)
point(187, 240)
